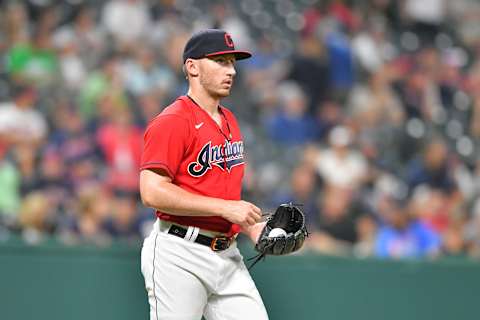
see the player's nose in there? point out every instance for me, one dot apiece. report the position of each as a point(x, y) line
point(231, 70)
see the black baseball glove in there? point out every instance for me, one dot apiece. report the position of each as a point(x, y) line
point(289, 218)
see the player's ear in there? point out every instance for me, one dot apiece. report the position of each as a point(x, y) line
point(191, 68)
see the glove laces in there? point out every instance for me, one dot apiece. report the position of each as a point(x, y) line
point(260, 256)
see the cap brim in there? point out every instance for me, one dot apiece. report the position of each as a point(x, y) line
point(239, 55)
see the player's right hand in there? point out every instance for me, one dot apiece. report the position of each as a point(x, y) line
point(241, 212)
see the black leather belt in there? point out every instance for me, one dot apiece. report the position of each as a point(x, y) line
point(218, 243)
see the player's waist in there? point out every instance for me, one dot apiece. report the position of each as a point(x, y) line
point(217, 241)
point(211, 223)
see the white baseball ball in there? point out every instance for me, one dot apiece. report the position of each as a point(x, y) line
point(277, 232)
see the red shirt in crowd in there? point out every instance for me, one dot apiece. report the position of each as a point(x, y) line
point(122, 147)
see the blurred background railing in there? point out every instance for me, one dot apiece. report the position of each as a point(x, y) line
point(55, 282)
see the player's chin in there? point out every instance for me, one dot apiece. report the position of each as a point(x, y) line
point(222, 93)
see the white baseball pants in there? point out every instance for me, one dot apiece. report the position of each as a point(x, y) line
point(185, 280)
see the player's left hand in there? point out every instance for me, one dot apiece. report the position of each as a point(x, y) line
point(289, 236)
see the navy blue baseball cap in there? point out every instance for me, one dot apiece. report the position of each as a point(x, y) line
point(212, 42)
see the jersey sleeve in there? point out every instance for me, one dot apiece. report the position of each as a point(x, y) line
point(165, 141)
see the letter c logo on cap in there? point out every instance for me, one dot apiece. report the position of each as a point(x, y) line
point(228, 40)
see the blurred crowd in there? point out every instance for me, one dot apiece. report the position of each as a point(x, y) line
point(365, 112)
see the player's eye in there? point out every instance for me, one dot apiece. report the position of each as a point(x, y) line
point(224, 61)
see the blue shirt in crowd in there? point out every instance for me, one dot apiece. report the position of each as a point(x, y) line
point(416, 241)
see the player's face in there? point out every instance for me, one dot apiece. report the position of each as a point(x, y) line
point(216, 74)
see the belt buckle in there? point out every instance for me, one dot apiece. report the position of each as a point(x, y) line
point(220, 243)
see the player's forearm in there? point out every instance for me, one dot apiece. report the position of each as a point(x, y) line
point(169, 198)
point(158, 191)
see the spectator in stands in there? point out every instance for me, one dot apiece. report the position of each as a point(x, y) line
point(291, 125)
point(431, 207)
point(453, 243)
point(340, 165)
point(474, 125)
point(90, 213)
point(75, 146)
point(72, 67)
point(426, 18)
point(142, 74)
point(340, 57)
point(10, 181)
point(22, 130)
point(89, 38)
point(420, 91)
point(343, 14)
point(374, 103)
point(471, 232)
point(14, 116)
point(312, 15)
point(15, 24)
point(35, 62)
point(107, 80)
point(328, 114)
point(366, 228)
point(309, 68)
point(262, 73)
point(52, 178)
point(432, 168)
point(115, 15)
point(379, 117)
point(125, 222)
point(121, 143)
point(36, 216)
point(404, 236)
point(337, 219)
point(225, 18)
point(146, 107)
point(371, 46)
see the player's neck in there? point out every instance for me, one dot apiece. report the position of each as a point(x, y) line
point(205, 101)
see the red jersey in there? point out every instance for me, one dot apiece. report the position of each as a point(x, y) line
point(199, 156)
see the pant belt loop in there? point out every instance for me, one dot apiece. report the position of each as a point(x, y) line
point(194, 236)
point(189, 233)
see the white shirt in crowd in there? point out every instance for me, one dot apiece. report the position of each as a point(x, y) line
point(126, 20)
point(25, 122)
point(342, 171)
point(427, 11)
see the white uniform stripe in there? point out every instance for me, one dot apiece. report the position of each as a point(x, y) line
point(194, 236)
point(189, 233)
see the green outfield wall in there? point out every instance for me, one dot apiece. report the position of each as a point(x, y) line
point(54, 282)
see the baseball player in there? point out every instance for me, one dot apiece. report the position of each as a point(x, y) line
point(191, 172)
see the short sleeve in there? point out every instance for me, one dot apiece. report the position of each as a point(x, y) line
point(165, 142)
